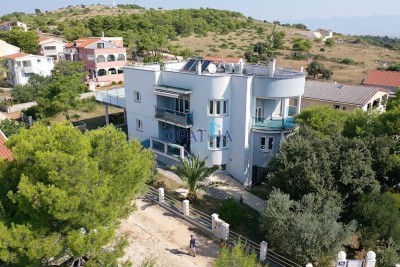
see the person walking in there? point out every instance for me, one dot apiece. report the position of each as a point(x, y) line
point(192, 246)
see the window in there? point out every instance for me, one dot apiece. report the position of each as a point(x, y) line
point(49, 48)
point(49, 60)
point(138, 96)
point(336, 106)
point(39, 61)
point(18, 63)
point(211, 142)
point(101, 58)
point(217, 107)
point(121, 57)
point(90, 57)
point(217, 142)
point(139, 125)
point(266, 143)
point(110, 58)
point(28, 75)
point(344, 108)
point(100, 45)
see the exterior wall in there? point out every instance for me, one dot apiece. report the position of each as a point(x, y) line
point(260, 157)
point(55, 53)
point(20, 74)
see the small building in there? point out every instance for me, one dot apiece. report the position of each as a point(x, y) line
point(344, 96)
point(8, 25)
point(104, 57)
point(20, 67)
point(8, 49)
point(322, 34)
point(51, 47)
point(237, 115)
point(383, 78)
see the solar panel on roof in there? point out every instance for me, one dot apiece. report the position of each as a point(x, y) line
point(189, 64)
point(205, 65)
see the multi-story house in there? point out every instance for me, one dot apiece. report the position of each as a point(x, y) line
point(51, 47)
point(8, 25)
point(104, 57)
point(20, 67)
point(237, 115)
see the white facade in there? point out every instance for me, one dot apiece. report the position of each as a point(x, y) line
point(20, 67)
point(7, 49)
point(52, 48)
point(235, 114)
point(8, 25)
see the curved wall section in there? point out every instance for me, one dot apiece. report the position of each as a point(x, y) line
point(270, 87)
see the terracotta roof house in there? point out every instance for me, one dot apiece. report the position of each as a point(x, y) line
point(8, 25)
point(104, 57)
point(51, 47)
point(388, 79)
point(344, 96)
point(5, 152)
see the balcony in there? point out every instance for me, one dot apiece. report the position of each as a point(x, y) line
point(273, 124)
point(173, 151)
point(113, 97)
point(174, 117)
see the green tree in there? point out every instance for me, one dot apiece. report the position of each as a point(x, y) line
point(27, 41)
point(238, 256)
point(193, 172)
point(317, 70)
point(29, 92)
point(379, 219)
point(329, 42)
point(324, 119)
point(10, 127)
point(306, 230)
point(300, 44)
point(389, 255)
point(393, 102)
point(230, 211)
point(59, 195)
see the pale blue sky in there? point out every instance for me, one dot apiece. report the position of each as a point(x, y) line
point(261, 9)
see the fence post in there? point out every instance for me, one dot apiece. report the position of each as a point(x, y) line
point(263, 251)
point(370, 259)
point(309, 265)
point(224, 230)
point(186, 207)
point(341, 259)
point(214, 218)
point(161, 195)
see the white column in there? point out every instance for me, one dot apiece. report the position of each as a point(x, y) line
point(186, 207)
point(263, 251)
point(107, 116)
point(225, 230)
point(341, 259)
point(309, 265)
point(298, 108)
point(161, 195)
point(370, 259)
point(214, 218)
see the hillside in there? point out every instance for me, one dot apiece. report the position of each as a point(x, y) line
point(205, 32)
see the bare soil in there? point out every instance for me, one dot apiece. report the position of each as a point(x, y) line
point(156, 234)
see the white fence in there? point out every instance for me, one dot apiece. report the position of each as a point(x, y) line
point(17, 107)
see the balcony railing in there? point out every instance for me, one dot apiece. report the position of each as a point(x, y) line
point(274, 124)
point(168, 149)
point(175, 117)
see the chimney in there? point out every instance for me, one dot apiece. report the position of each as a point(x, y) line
point(271, 67)
point(198, 67)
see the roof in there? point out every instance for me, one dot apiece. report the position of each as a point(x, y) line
point(5, 152)
point(383, 78)
point(17, 55)
point(82, 42)
point(6, 23)
point(224, 59)
point(357, 95)
point(41, 39)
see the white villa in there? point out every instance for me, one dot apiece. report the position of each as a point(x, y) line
point(51, 47)
point(20, 67)
point(235, 114)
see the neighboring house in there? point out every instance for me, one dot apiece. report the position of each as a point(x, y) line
point(20, 67)
point(104, 57)
point(8, 25)
point(383, 78)
point(8, 49)
point(343, 96)
point(5, 152)
point(235, 114)
point(323, 34)
point(51, 47)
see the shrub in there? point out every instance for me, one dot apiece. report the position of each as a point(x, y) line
point(329, 42)
point(322, 49)
point(347, 61)
point(121, 82)
point(223, 46)
point(302, 45)
point(230, 211)
point(113, 82)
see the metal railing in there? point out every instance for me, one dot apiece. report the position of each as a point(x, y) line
point(204, 222)
point(176, 117)
point(114, 97)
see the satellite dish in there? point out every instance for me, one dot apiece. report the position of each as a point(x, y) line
point(212, 68)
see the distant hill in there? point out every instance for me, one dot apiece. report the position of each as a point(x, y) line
point(370, 25)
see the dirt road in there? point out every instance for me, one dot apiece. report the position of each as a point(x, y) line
point(156, 234)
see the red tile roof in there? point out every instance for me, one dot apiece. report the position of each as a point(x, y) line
point(82, 42)
point(383, 78)
point(17, 55)
point(6, 23)
point(5, 152)
point(41, 39)
point(223, 59)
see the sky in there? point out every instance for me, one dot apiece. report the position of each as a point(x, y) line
point(282, 10)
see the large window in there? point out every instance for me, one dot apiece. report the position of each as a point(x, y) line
point(110, 58)
point(100, 45)
point(217, 142)
point(101, 58)
point(218, 107)
point(121, 57)
point(50, 48)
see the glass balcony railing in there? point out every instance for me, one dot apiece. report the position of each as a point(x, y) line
point(175, 117)
point(274, 124)
point(168, 149)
